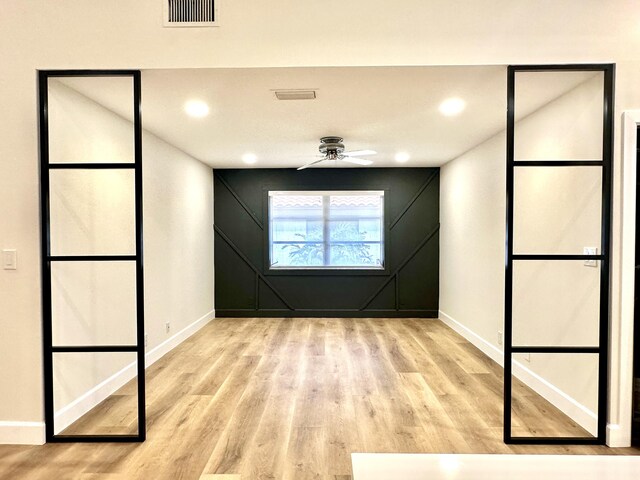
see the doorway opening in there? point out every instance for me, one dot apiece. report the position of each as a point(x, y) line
point(427, 169)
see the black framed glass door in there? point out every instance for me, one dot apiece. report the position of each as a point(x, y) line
point(557, 264)
point(92, 262)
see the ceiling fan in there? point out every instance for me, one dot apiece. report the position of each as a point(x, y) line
point(332, 148)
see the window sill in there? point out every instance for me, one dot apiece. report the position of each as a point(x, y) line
point(328, 272)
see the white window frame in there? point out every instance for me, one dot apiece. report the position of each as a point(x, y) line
point(325, 240)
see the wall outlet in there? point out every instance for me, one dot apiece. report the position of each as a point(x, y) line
point(9, 260)
point(590, 251)
point(167, 327)
point(146, 340)
point(499, 337)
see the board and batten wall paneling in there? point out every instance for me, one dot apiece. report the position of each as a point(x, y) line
point(407, 288)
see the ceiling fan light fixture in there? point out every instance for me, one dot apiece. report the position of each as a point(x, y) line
point(332, 148)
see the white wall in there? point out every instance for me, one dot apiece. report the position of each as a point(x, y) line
point(178, 239)
point(118, 34)
point(472, 232)
point(557, 210)
point(92, 212)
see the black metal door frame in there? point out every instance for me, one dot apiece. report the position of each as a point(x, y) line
point(635, 352)
point(47, 258)
point(605, 163)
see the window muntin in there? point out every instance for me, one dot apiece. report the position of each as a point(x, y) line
point(326, 229)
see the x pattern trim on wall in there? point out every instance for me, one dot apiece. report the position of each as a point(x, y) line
point(288, 305)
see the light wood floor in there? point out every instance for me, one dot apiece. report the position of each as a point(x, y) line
point(292, 398)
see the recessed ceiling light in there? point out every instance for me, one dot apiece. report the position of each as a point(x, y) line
point(249, 158)
point(402, 157)
point(452, 106)
point(196, 108)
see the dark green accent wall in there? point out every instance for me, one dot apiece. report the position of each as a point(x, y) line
point(408, 288)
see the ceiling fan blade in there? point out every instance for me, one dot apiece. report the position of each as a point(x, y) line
point(359, 153)
point(357, 161)
point(306, 165)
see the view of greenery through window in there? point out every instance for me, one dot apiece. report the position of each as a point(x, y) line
point(326, 229)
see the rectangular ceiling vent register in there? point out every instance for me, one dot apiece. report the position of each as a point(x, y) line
point(191, 13)
point(295, 94)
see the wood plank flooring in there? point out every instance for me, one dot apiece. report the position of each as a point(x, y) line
point(293, 398)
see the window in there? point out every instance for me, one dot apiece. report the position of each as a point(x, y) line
point(326, 230)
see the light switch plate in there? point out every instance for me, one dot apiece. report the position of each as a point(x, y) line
point(9, 260)
point(590, 251)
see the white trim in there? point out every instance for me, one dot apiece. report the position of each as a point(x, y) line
point(617, 437)
point(165, 347)
point(621, 336)
point(490, 350)
point(565, 403)
point(70, 413)
point(22, 433)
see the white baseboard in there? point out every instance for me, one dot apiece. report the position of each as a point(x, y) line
point(156, 353)
point(490, 350)
point(565, 403)
point(76, 409)
point(617, 436)
point(22, 433)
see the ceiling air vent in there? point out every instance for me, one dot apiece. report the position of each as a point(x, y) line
point(295, 94)
point(191, 13)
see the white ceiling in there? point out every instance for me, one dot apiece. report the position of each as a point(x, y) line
point(386, 109)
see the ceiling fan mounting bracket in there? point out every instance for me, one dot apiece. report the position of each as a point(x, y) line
point(331, 146)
